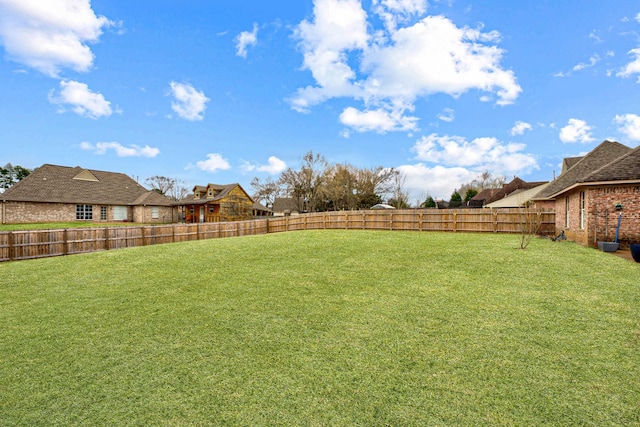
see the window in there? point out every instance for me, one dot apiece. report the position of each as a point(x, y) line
point(103, 213)
point(119, 213)
point(566, 212)
point(84, 212)
point(154, 212)
point(582, 210)
point(211, 208)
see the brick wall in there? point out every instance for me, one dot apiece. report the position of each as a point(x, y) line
point(605, 214)
point(144, 214)
point(22, 212)
point(29, 212)
point(601, 217)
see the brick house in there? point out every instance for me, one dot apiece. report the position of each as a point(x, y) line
point(592, 191)
point(54, 193)
point(214, 203)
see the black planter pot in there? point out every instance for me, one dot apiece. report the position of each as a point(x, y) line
point(635, 251)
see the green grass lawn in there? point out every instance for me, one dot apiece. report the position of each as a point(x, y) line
point(323, 328)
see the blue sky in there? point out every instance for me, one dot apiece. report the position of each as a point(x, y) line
point(218, 91)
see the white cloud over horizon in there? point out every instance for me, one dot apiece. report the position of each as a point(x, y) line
point(51, 35)
point(214, 163)
point(273, 167)
point(629, 125)
point(398, 65)
point(576, 130)
point(120, 150)
point(246, 39)
point(188, 103)
point(446, 162)
point(81, 99)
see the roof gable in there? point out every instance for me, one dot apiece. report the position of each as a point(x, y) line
point(600, 156)
point(86, 175)
point(218, 192)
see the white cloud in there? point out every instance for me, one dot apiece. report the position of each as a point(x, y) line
point(576, 131)
point(50, 35)
point(245, 39)
point(397, 65)
point(478, 154)
point(520, 127)
point(393, 12)
point(379, 120)
point(630, 125)
point(638, 17)
point(274, 166)
point(633, 67)
point(340, 26)
point(83, 101)
point(438, 181)
point(447, 115)
point(592, 61)
point(188, 103)
point(120, 150)
point(446, 162)
point(213, 163)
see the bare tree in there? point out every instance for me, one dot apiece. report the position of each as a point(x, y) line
point(266, 191)
point(306, 184)
point(170, 187)
point(529, 223)
point(400, 197)
point(484, 181)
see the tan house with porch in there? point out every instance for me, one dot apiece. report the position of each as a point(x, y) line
point(214, 203)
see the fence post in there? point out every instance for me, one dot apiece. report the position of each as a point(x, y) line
point(10, 241)
point(495, 222)
point(390, 221)
point(65, 242)
point(455, 221)
point(106, 238)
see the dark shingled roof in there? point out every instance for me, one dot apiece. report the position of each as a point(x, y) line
point(281, 204)
point(63, 184)
point(600, 156)
point(568, 162)
point(624, 168)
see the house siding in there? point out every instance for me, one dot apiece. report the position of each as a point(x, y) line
point(236, 206)
point(33, 212)
point(601, 219)
point(605, 215)
point(144, 214)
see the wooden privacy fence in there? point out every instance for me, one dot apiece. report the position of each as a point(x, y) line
point(30, 244)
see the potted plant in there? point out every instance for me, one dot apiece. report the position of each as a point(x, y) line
point(635, 251)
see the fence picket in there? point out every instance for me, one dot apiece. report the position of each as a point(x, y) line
point(19, 245)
